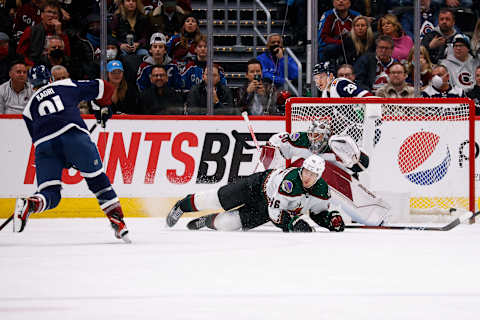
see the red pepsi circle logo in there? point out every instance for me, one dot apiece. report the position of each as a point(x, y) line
point(417, 150)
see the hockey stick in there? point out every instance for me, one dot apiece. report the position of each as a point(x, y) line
point(252, 133)
point(6, 222)
point(92, 128)
point(446, 227)
point(250, 128)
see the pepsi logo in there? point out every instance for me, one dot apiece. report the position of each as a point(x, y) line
point(423, 159)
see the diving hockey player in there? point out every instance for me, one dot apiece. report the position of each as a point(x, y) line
point(62, 140)
point(279, 196)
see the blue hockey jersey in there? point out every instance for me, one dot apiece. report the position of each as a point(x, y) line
point(53, 109)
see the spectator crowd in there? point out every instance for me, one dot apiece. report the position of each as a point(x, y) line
point(157, 55)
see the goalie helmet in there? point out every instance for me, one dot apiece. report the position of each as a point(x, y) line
point(314, 164)
point(318, 134)
point(39, 76)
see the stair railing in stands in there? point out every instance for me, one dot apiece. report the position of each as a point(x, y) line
point(287, 84)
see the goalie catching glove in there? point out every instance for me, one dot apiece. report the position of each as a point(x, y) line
point(330, 220)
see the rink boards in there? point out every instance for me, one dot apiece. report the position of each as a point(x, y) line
point(152, 161)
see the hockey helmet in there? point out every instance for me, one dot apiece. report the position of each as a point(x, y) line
point(316, 165)
point(323, 67)
point(39, 76)
point(318, 134)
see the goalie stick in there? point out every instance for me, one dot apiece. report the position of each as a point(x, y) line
point(446, 227)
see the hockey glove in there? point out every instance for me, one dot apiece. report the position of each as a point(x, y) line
point(267, 154)
point(329, 220)
point(299, 225)
point(292, 224)
point(102, 114)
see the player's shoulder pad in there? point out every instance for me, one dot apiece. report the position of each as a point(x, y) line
point(291, 184)
point(320, 190)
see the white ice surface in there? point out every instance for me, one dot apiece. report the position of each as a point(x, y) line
point(62, 269)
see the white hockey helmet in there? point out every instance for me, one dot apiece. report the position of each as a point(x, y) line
point(318, 134)
point(315, 164)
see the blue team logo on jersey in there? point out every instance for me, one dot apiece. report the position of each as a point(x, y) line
point(423, 159)
point(287, 186)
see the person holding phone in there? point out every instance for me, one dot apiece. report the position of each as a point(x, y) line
point(273, 64)
point(258, 95)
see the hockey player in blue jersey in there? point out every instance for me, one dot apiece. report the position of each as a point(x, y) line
point(62, 140)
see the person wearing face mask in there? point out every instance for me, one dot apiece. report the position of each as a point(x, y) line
point(86, 50)
point(55, 54)
point(32, 44)
point(440, 85)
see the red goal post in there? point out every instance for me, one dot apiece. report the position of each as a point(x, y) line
point(418, 147)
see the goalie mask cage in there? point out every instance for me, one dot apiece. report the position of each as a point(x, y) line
point(418, 147)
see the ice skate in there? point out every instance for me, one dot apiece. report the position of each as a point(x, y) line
point(119, 227)
point(24, 207)
point(204, 221)
point(197, 224)
point(174, 215)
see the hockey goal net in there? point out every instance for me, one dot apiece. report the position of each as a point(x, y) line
point(419, 148)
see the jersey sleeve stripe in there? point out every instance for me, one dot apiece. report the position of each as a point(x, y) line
point(100, 89)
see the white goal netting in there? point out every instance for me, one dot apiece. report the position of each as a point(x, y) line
point(418, 148)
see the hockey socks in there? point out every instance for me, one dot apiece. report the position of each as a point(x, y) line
point(187, 204)
point(102, 189)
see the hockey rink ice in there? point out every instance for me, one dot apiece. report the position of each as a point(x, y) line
point(74, 269)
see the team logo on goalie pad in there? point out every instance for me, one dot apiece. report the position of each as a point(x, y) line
point(423, 159)
point(287, 186)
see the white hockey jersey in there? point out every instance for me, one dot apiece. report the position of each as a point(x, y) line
point(285, 192)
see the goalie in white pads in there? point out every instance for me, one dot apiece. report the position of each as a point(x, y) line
point(344, 160)
point(339, 149)
point(281, 196)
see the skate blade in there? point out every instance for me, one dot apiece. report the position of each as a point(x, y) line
point(126, 239)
